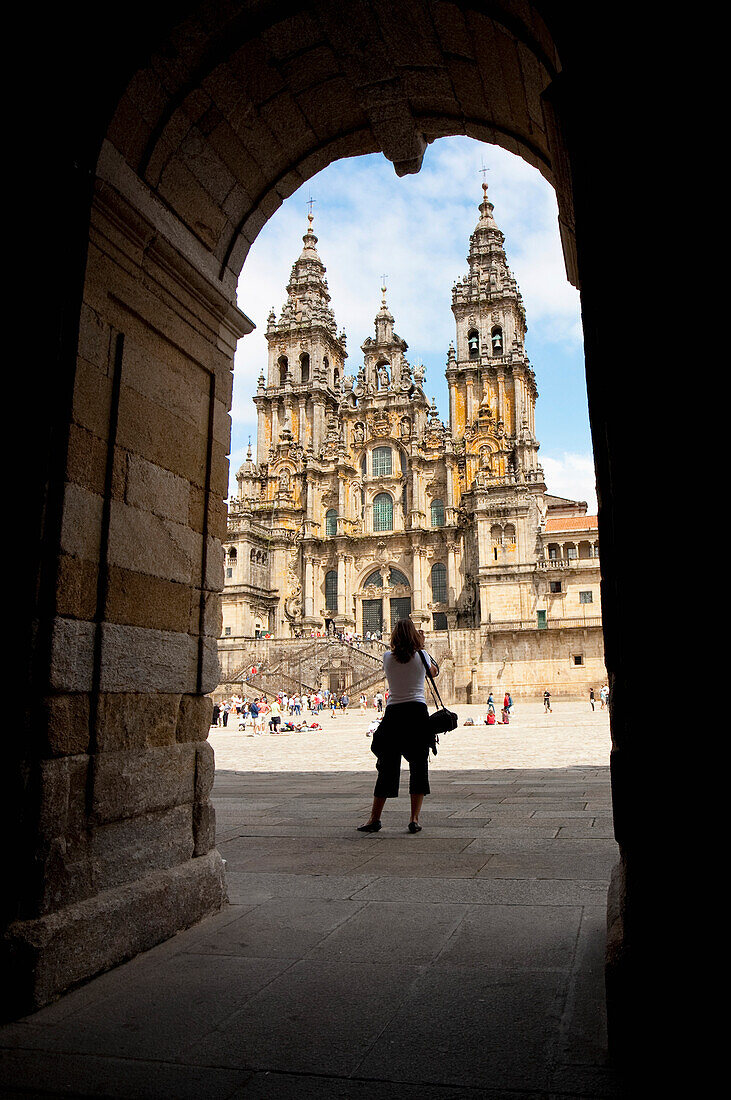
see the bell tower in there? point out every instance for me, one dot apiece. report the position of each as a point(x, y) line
point(492, 400)
point(305, 362)
point(492, 387)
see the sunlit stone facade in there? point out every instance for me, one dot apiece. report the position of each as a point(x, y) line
point(362, 506)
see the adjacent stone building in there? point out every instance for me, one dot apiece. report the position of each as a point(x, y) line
point(362, 506)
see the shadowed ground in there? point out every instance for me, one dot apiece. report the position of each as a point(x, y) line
point(464, 961)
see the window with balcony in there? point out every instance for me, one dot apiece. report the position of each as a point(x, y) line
point(439, 583)
point(437, 513)
point(383, 513)
point(382, 462)
point(331, 590)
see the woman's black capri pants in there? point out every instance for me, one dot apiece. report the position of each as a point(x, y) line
point(402, 732)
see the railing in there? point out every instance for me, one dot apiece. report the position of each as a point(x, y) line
point(510, 625)
point(566, 563)
point(293, 663)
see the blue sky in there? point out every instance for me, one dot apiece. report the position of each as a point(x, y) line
point(416, 231)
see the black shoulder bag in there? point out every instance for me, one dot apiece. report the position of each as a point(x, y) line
point(442, 720)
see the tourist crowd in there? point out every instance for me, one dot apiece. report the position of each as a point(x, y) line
point(282, 712)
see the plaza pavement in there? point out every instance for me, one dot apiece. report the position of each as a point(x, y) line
point(463, 962)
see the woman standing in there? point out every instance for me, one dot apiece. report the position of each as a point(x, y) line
point(404, 729)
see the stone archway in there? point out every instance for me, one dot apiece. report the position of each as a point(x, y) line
point(201, 124)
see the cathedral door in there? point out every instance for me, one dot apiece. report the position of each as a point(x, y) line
point(372, 616)
point(400, 609)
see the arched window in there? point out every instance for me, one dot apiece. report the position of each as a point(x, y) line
point(304, 367)
point(473, 343)
point(331, 590)
point(331, 523)
point(383, 513)
point(439, 583)
point(395, 577)
point(336, 378)
point(496, 336)
point(283, 365)
point(364, 466)
point(232, 555)
point(437, 513)
point(373, 580)
point(382, 462)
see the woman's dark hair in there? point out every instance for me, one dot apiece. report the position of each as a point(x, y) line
point(405, 641)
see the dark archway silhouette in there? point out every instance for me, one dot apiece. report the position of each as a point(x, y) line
point(176, 133)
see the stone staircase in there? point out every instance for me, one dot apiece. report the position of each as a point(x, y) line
point(299, 665)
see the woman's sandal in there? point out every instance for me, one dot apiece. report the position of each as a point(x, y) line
point(370, 827)
point(414, 827)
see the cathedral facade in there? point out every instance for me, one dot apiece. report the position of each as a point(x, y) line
point(362, 506)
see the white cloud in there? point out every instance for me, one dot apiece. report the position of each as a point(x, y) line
point(416, 230)
point(572, 476)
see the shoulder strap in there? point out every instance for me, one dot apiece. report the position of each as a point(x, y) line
point(435, 690)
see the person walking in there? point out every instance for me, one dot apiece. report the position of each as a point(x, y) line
point(378, 700)
point(506, 711)
point(591, 697)
point(404, 729)
point(546, 701)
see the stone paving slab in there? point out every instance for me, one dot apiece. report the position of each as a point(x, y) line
point(465, 961)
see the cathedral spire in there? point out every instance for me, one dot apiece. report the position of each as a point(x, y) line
point(308, 297)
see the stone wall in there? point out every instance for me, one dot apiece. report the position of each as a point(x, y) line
point(124, 829)
point(472, 662)
point(206, 119)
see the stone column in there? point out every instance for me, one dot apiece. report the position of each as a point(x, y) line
point(501, 396)
point(261, 421)
point(470, 398)
point(419, 557)
point(451, 573)
point(309, 590)
point(341, 504)
point(341, 585)
point(450, 517)
point(122, 838)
